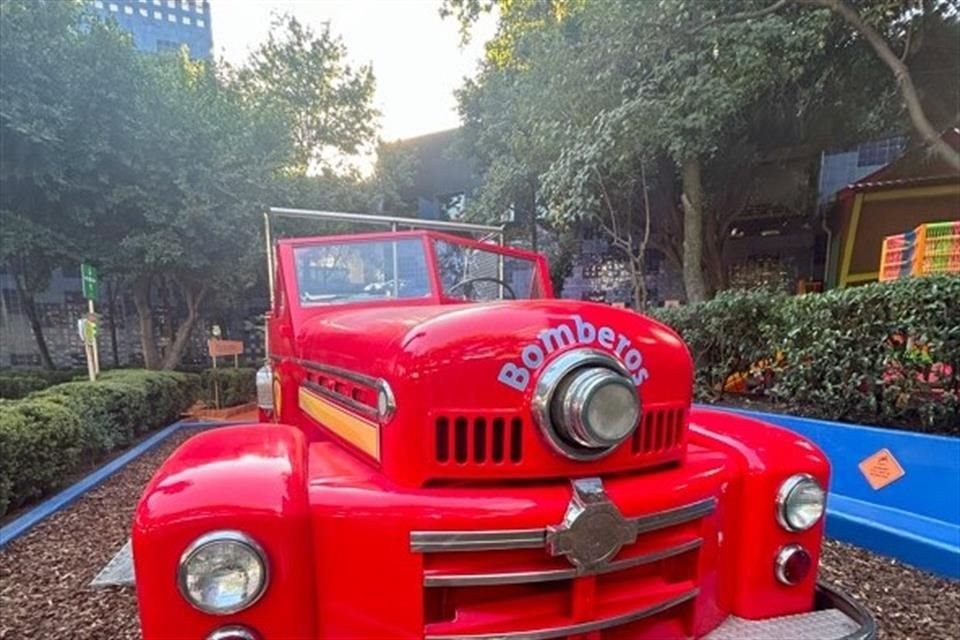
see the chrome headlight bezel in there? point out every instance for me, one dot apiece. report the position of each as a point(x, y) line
point(224, 536)
point(785, 494)
point(577, 440)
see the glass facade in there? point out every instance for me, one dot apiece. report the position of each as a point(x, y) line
point(159, 25)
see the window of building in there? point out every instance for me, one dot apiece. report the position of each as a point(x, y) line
point(98, 4)
point(201, 23)
point(185, 5)
point(199, 6)
point(128, 10)
point(172, 4)
point(156, 2)
point(880, 152)
point(171, 17)
point(114, 7)
point(157, 15)
point(185, 19)
point(144, 13)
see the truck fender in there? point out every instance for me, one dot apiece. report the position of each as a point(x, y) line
point(249, 478)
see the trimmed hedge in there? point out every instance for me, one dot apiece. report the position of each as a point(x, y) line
point(17, 383)
point(236, 386)
point(53, 433)
point(883, 354)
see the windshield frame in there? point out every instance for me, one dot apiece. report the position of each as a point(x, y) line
point(286, 249)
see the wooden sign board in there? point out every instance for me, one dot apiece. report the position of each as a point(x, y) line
point(221, 348)
point(881, 469)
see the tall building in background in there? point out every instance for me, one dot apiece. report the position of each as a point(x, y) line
point(162, 25)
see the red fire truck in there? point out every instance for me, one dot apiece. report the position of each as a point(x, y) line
point(447, 451)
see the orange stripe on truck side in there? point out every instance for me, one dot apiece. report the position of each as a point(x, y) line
point(360, 433)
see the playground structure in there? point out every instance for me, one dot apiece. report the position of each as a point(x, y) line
point(930, 249)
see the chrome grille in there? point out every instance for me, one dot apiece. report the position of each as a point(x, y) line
point(472, 577)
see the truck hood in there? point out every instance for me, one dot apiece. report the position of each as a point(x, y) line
point(492, 342)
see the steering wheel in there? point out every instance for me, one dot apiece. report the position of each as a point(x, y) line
point(468, 289)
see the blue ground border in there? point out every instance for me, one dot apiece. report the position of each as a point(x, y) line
point(916, 519)
point(45, 509)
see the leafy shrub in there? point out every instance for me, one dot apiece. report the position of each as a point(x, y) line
point(51, 434)
point(235, 386)
point(886, 354)
point(17, 383)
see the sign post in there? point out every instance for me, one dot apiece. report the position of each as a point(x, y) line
point(218, 348)
point(88, 325)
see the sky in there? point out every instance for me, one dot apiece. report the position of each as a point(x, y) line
point(416, 55)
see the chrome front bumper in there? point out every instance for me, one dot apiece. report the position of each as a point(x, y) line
point(836, 616)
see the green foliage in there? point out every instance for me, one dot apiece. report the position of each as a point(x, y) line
point(50, 435)
point(17, 383)
point(885, 354)
point(304, 76)
point(234, 386)
point(157, 168)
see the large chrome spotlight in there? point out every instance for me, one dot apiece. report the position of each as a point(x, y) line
point(586, 404)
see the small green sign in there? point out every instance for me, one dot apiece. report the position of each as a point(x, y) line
point(88, 275)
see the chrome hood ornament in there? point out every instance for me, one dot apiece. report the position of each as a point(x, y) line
point(593, 530)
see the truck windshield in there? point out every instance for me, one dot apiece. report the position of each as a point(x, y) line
point(471, 273)
point(361, 271)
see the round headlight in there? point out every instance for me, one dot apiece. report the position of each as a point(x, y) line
point(223, 572)
point(596, 407)
point(586, 403)
point(800, 502)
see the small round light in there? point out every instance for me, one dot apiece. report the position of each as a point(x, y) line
point(800, 502)
point(223, 572)
point(233, 632)
point(386, 405)
point(793, 564)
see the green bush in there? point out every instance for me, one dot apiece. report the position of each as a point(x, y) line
point(53, 433)
point(885, 354)
point(235, 386)
point(17, 383)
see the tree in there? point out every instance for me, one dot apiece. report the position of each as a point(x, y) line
point(611, 87)
point(303, 75)
point(61, 113)
point(908, 18)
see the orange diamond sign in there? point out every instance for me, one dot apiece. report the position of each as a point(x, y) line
point(881, 469)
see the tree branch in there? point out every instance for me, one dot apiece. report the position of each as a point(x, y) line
point(742, 16)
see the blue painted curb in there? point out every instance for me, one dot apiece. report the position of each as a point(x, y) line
point(48, 507)
point(915, 519)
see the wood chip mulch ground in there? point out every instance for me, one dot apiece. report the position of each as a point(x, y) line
point(44, 575)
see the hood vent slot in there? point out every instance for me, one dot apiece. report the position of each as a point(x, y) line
point(478, 439)
point(659, 430)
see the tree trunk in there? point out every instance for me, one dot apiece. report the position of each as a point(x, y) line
point(141, 300)
point(111, 316)
point(692, 199)
point(182, 337)
point(713, 249)
point(30, 309)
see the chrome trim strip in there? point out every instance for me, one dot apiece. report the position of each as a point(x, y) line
point(490, 540)
point(358, 407)
point(359, 378)
point(493, 540)
point(671, 517)
point(526, 577)
point(575, 629)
